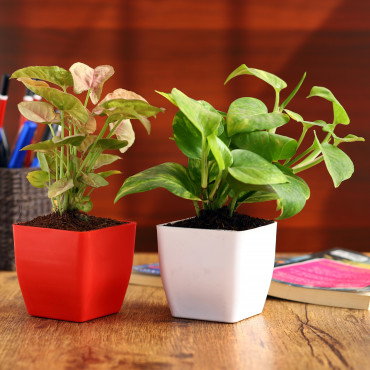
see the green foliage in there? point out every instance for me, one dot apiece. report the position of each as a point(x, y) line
point(69, 163)
point(237, 157)
point(172, 176)
point(249, 114)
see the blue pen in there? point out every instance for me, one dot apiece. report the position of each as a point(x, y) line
point(24, 139)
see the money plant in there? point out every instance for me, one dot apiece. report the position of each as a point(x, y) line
point(238, 157)
point(71, 162)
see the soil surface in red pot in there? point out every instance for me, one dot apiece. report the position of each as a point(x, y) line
point(220, 219)
point(73, 221)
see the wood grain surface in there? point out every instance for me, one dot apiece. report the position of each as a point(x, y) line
point(193, 45)
point(143, 335)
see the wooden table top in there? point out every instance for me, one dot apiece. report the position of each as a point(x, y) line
point(143, 335)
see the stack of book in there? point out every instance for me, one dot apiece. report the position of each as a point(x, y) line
point(336, 277)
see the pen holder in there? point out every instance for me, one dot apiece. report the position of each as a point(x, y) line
point(19, 201)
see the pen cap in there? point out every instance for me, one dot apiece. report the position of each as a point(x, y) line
point(4, 85)
point(4, 149)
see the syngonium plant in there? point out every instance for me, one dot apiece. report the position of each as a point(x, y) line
point(71, 164)
point(237, 157)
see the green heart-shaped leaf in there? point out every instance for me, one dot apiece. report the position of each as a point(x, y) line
point(105, 159)
point(106, 174)
point(84, 206)
point(123, 106)
point(250, 168)
point(59, 187)
point(292, 195)
point(205, 119)
point(43, 162)
point(93, 179)
point(340, 115)
point(42, 147)
point(250, 114)
point(111, 144)
point(74, 140)
point(38, 179)
point(53, 74)
point(171, 176)
point(270, 146)
point(338, 164)
point(188, 138)
point(276, 82)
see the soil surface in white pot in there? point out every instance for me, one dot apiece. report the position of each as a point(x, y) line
point(73, 221)
point(220, 219)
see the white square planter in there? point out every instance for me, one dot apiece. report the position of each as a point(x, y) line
point(216, 275)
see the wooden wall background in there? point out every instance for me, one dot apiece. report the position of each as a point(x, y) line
point(194, 45)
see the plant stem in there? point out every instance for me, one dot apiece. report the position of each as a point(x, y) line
point(51, 129)
point(111, 132)
point(204, 173)
point(216, 185)
point(98, 152)
point(295, 160)
point(276, 108)
point(69, 152)
point(304, 131)
point(62, 147)
point(243, 198)
point(99, 137)
point(232, 204)
point(87, 97)
point(204, 167)
point(88, 156)
point(205, 199)
point(52, 199)
point(277, 98)
point(196, 206)
point(95, 155)
point(308, 165)
point(314, 153)
point(292, 94)
point(288, 161)
point(63, 202)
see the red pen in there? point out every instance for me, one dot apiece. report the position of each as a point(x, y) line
point(28, 96)
point(4, 146)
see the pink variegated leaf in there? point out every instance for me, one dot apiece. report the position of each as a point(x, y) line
point(40, 112)
point(86, 78)
point(124, 131)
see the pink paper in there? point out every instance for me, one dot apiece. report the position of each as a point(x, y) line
point(323, 273)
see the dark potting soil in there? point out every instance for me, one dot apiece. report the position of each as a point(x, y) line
point(219, 219)
point(72, 221)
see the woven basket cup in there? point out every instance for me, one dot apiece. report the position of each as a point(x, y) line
point(19, 202)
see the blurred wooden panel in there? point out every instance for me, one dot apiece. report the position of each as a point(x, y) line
point(190, 14)
point(194, 45)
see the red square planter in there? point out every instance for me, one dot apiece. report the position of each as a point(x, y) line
point(74, 276)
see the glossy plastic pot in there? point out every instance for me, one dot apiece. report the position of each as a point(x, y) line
point(216, 275)
point(74, 276)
